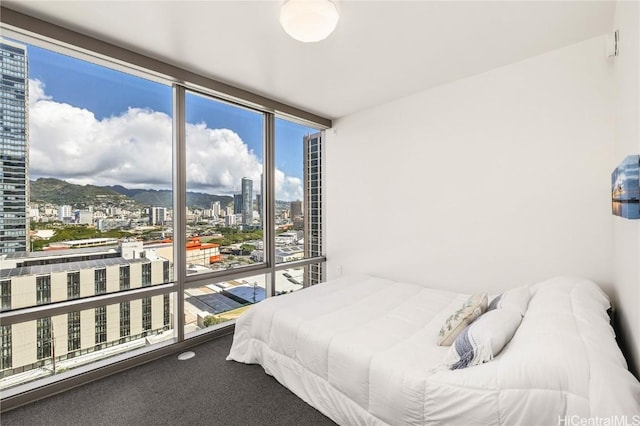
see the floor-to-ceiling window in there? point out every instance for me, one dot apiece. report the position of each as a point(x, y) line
point(90, 188)
point(151, 210)
point(224, 222)
point(298, 156)
point(95, 145)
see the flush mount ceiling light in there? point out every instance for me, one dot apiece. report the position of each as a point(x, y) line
point(308, 20)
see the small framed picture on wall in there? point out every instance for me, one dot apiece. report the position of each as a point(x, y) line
point(625, 188)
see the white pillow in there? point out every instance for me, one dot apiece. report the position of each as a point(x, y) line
point(516, 299)
point(482, 340)
point(470, 310)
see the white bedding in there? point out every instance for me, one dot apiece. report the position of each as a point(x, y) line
point(363, 351)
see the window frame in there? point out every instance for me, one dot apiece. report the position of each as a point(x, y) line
point(100, 280)
point(145, 279)
point(5, 294)
point(125, 320)
point(146, 313)
point(100, 316)
point(43, 338)
point(6, 346)
point(43, 34)
point(124, 274)
point(73, 285)
point(43, 289)
point(74, 333)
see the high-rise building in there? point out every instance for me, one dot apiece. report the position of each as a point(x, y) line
point(157, 215)
point(65, 213)
point(259, 207)
point(313, 205)
point(215, 209)
point(85, 217)
point(247, 201)
point(296, 214)
point(237, 203)
point(296, 208)
point(34, 214)
point(259, 200)
point(14, 147)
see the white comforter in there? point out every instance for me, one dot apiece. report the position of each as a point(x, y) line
point(363, 351)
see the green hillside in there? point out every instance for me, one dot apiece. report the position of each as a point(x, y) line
point(56, 191)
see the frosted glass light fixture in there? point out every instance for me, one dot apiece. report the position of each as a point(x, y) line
point(309, 20)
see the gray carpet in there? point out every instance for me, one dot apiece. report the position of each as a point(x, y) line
point(205, 390)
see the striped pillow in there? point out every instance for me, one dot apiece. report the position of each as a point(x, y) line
point(482, 340)
point(516, 299)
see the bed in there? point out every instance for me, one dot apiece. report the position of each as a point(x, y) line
point(363, 351)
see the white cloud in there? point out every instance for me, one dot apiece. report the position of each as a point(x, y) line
point(134, 150)
point(36, 92)
point(218, 159)
point(288, 187)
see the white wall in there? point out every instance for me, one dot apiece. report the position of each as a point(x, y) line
point(489, 182)
point(626, 259)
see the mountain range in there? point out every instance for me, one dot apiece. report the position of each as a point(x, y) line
point(56, 191)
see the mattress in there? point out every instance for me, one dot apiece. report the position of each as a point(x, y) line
point(362, 350)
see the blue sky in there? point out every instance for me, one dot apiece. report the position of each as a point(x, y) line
point(108, 93)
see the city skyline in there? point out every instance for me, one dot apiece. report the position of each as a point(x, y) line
point(87, 124)
point(128, 114)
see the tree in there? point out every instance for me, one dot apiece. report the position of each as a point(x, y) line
point(38, 245)
point(78, 232)
point(247, 248)
point(210, 320)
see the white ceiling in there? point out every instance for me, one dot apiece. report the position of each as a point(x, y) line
point(380, 51)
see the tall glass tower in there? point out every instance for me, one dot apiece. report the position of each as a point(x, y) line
point(313, 205)
point(14, 147)
point(237, 203)
point(247, 201)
